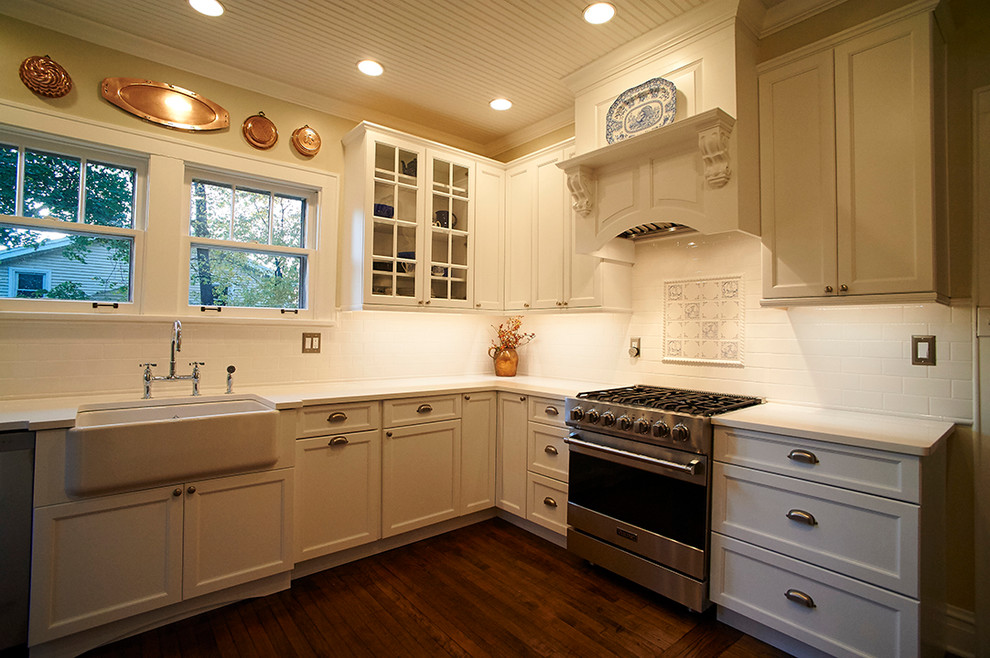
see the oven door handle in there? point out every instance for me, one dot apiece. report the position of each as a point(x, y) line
point(690, 468)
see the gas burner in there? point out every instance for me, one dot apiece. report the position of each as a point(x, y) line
point(695, 403)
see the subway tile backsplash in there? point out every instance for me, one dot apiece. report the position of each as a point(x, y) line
point(851, 357)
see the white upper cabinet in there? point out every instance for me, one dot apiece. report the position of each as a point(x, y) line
point(407, 235)
point(489, 246)
point(849, 145)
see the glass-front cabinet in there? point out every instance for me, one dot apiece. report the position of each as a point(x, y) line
point(408, 228)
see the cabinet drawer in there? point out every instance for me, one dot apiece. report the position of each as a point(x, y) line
point(547, 451)
point(421, 410)
point(547, 503)
point(339, 418)
point(867, 537)
point(872, 471)
point(849, 618)
point(546, 410)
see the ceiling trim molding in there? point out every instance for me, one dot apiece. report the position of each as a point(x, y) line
point(529, 133)
point(782, 16)
point(86, 30)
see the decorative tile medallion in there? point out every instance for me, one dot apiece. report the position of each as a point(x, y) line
point(703, 320)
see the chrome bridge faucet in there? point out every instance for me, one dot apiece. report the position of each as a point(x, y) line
point(171, 376)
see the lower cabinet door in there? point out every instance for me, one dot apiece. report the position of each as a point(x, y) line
point(839, 615)
point(338, 493)
point(548, 503)
point(478, 451)
point(237, 529)
point(99, 560)
point(420, 475)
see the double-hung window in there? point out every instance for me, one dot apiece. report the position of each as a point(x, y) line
point(250, 243)
point(70, 221)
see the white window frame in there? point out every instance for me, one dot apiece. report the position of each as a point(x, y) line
point(27, 141)
point(14, 272)
point(308, 251)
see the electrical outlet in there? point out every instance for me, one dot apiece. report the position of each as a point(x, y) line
point(922, 350)
point(310, 343)
point(634, 347)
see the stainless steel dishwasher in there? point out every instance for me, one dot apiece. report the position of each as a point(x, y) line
point(16, 495)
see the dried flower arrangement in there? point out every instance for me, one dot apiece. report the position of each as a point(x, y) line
point(509, 336)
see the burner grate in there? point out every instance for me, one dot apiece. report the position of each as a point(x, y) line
point(698, 403)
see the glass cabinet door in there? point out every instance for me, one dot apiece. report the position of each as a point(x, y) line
point(394, 223)
point(449, 231)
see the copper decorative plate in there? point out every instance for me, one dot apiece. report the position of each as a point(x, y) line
point(259, 131)
point(306, 140)
point(165, 104)
point(44, 76)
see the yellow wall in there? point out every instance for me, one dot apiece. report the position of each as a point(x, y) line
point(88, 65)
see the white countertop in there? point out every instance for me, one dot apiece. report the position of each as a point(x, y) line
point(912, 436)
point(893, 433)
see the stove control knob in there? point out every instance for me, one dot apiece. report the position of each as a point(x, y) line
point(608, 418)
point(625, 422)
point(680, 433)
point(660, 429)
point(642, 426)
point(593, 416)
point(577, 413)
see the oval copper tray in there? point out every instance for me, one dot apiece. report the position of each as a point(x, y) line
point(259, 131)
point(306, 140)
point(165, 104)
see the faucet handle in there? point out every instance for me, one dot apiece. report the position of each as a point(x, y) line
point(145, 365)
point(197, 363)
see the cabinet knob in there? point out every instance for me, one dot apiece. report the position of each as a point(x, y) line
point(798, 596)
point(478, 305)
point(828, 289)
point(843, 288)
point(550, 450)
point(559, 303)
point(338, 441)
point(565, 303)
point(420, 302)
point(337, 417)
point(427, 301)
point(467, 397)
point(388, 434)
point(522, 398)
point(191, 489)
point(526, 305)
point(424, 409)
point(177, 491)
point(802, 517)
point(549, 502)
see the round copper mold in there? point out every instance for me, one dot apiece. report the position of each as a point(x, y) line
point(259, 131)
point(306, 140)
point(44, 76)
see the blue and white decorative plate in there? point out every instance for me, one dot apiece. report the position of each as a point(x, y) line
point(642, 108)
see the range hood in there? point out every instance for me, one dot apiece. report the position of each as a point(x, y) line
point(681, 174)
point(702, 170)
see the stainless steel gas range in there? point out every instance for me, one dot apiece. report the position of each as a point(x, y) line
point(639, 499)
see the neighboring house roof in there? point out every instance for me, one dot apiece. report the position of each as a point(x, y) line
point(17, 252)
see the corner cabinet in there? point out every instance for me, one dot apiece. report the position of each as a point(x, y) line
point(852, 175)
point(409, 228)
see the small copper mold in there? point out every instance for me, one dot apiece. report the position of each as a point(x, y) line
point(165, 104)
point(306, 140)
point(44, 76)
point(259, 131)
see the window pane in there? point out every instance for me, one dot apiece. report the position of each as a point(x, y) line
point(287, 221)
point(212, 205)
point(8, 179)
point(51, 186)
point(109, 195)
point(82, 267)
point(227, 277)
point(251, 212)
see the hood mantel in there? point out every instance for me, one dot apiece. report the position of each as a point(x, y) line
point(681, 173)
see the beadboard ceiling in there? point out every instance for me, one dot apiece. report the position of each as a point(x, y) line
point(444, 59)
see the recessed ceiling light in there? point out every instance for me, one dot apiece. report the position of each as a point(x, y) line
point(207, 7)
point(598, 13)
point(501, 104)
point(370, 67)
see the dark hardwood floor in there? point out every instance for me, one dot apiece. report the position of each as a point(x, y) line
point(490, 589)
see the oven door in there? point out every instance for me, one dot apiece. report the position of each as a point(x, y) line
point(642, 498)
